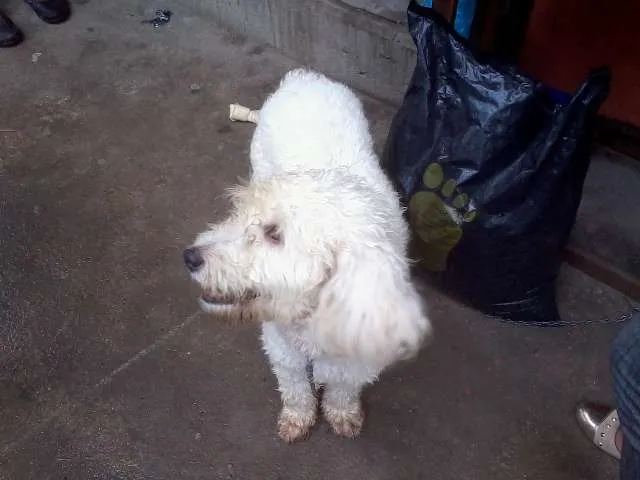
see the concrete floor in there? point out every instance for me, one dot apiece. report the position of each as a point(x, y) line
point(108, 371)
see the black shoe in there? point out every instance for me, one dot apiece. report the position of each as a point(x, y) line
point(51, 11)
point(10, 35)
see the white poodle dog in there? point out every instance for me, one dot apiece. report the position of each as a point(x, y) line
point(316, 249)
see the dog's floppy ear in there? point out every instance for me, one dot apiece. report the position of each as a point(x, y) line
point(369, 309)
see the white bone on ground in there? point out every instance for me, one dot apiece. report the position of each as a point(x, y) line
point(240, 113)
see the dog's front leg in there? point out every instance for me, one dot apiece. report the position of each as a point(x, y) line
point(343, 381)
point(299, 404)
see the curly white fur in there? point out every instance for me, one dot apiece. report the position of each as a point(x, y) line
point(316, 247)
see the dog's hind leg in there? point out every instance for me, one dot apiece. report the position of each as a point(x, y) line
point(343, 381)
point(299, 403)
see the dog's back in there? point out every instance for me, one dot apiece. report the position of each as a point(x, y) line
point(312, 123)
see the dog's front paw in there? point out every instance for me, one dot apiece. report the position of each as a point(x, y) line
point(345, 422)
point(294, 426)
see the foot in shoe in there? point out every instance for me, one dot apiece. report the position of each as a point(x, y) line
point(51, 11)
point(602, 425)
point(10, 35)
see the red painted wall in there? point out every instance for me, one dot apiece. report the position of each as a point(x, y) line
point(567, 37)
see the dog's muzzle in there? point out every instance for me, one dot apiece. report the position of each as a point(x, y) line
point(212, 299)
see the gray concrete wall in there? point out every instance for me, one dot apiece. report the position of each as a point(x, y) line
point(367, 51)
point(394, 10)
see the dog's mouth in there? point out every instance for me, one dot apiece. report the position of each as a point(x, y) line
point(219, 299)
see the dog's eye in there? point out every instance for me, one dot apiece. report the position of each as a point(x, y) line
point(272, 233)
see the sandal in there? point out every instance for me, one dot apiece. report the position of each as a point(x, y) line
point(600, 423)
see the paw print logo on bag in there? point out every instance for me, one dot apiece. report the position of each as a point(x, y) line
point(437, 215)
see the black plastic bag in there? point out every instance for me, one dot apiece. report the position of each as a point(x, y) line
point(491, 165)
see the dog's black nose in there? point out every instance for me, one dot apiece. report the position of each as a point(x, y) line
point(193, 258)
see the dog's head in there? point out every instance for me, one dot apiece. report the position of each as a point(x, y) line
point(320, 248)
